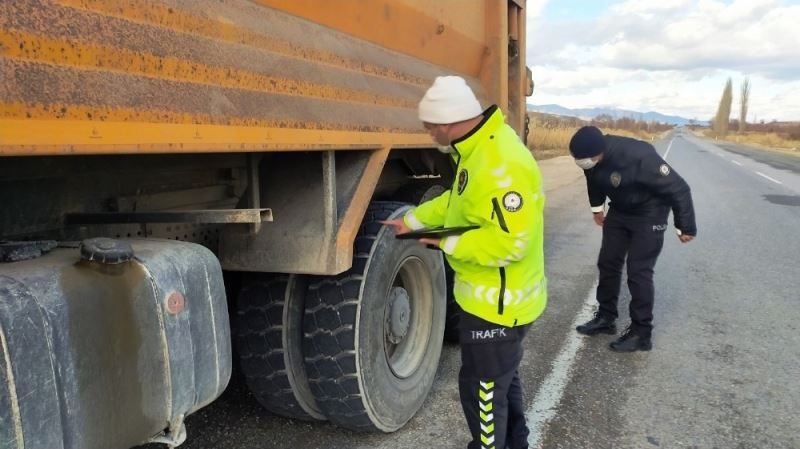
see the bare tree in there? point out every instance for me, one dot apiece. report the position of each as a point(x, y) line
point(722, 118)
point(745, 100)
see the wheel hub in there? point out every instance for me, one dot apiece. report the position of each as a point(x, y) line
point(399, 314)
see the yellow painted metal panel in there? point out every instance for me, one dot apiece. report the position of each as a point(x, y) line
point(463, 16)
point(121, 76)
point(46, 137)
point(222, 29)
point(30, 47)
point(396, 25)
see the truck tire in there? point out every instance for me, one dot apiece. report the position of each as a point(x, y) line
point(373, 334)
point(269, 343)
point(417, 193)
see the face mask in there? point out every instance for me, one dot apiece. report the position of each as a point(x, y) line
point(585, 164)
point(446, 149)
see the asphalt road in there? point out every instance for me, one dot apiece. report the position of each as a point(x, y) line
point(724, 368)
point(726, 358)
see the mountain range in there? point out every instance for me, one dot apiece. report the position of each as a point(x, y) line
point(590, 113)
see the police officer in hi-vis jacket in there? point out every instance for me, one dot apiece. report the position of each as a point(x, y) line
point(500, 284)
point(642, 188)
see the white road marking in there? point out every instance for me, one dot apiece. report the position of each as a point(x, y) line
point(771, 179)
point(736, 162)
point(668, 148)
point(550, 392)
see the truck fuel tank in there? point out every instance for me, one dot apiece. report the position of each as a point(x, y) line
point(110, 343)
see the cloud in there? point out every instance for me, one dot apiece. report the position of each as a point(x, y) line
point(535, 8)
point(751, 40)
point(680, 40)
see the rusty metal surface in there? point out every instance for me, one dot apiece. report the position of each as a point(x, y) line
point(447, 33)
point(118, 76)
point(296, 241)
point(184, 216)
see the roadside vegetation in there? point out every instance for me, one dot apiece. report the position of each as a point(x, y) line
point(550, 134)
point(783, 136)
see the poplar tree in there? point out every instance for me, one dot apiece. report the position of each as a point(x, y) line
point(745, 100)
point(722, 118)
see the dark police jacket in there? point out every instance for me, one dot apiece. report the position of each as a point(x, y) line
point(640, 183)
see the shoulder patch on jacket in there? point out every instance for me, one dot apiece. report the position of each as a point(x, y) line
point(463, 178)
point(664, 169)
point(512, 201)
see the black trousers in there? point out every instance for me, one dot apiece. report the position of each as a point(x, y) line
point(489, 385)
point(640, 239)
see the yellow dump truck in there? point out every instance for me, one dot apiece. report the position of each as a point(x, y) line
point(166, 161)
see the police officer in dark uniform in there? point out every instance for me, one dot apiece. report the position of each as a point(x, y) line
point(642, 188)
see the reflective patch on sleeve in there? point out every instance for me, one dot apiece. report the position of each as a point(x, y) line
point(413, 222)
point(505, 182)
point(449, 244)
point(499, 171)
point(664, 170)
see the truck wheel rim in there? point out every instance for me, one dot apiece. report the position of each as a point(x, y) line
point(408, 314)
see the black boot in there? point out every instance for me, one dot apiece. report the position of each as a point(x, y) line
point(600, 324)
point(631, 341)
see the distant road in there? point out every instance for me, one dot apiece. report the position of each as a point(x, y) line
point(776, 166)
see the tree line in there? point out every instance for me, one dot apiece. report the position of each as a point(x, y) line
point(721, 124)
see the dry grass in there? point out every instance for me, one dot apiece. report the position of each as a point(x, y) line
point(770, 140)
point(550, 134)
point(547, 143)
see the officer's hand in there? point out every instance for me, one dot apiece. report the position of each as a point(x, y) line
point(599, 218)
point(685, 238)
point(430, 242)
point(398, 224)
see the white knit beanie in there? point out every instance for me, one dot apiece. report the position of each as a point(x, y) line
point(449, 100)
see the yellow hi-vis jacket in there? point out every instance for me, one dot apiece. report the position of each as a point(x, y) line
point(499, 267)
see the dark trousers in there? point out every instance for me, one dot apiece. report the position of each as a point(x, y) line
point(640, 240)
point(489, 385)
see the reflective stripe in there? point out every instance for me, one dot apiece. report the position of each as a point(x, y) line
point(477, 293)
point(490, 294)
point(508, 296)
point(449, 244)
point(505, 182)
point(485, 395)
point(412, 221)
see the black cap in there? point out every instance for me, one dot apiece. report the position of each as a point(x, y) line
point(587, 142)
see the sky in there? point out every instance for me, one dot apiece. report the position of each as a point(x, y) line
point(667, 56)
